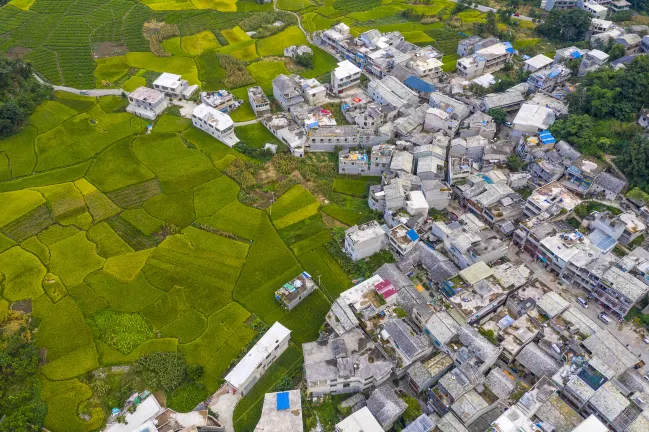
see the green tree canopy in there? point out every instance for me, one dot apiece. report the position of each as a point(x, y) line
point(565, 26)
point(608, 93)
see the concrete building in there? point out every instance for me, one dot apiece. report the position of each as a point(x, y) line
point(258, 101)
point(345, 77)
point(215, 123)
point(327, 138)
point(509, 100)
point(391, 91)
point(294, 51)
point(421, 377)
point(409, 345)
point(596, 10)
point(445, 114)
point(281, 412)
point(287, 91)
point(353, 163)
point(470, 45)
point(313, 92)
point(386, 406)
point(348, 364)
point(581, 174)
point(480, 124)
point(537, 62)
point(549, 78)
point(591, 61)
point(403, 239)
point(286, 130)
point(479, 290)
point(362, 241)
point(551, 199)
point(532, 119)
point(296, 290)
point(256, 361)
point(174, 86)
point(359, 421)
point(485, 60)
point(147, 103)
point(221, 100)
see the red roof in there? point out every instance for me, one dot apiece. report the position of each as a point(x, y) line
point(386, 289)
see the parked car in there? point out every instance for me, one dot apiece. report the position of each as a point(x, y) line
point(582, 302)
point(508, 124)
point(646, 339)
point(604, 318)
point(517, 14)
point(646, 377)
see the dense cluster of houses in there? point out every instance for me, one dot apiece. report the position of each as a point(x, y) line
point(471, 331)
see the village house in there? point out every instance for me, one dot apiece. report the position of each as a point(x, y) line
point(147, 103)
point(257, 361)
point(345, 77)
point(287, 91)
point(258, 101)
point(296, 290)
point(174, 86)
point(215, 123)
point(485, 60)
point(362, 241)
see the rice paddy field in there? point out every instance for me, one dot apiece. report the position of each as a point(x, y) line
point(126, 243)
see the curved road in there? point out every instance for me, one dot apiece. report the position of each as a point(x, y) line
point(90, 92)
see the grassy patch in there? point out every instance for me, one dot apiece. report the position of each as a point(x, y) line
point(316, 240)
point(127, 266)
point(73, 258)
point(355, 187)
point(274, 45)
point(265, 71)
point(63, 399)
point(18, 203)
point(133, 83)
point(182, 66)
point(255, 135)
point(22, 274)
point(110, 69)
point(235, 218)
point(348, 217)
point(122, 331)
point(117, 167)
point(73, 364)
point(124, 296)
point(334, 280)
point(171, 124)
point(109, 243)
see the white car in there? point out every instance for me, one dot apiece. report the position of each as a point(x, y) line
point(646, 339)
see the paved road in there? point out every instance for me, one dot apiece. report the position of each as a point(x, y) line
point(246, 123)
point(89, 92)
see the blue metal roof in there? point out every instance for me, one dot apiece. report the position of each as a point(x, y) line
point(412, 235)
point(602, 241)
point(282, 401)
point(419, 84)
point(547, 138)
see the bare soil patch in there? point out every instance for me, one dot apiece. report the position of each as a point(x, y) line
point(17, 52)
point(110, 49)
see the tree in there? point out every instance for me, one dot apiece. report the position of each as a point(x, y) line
point(20, 406)
point(609, 93)
point(20, 93)
point(634, 162)
point(616, 51)
point(565, 26)
point(498, 114)
point(515, 163)
point(305, 60)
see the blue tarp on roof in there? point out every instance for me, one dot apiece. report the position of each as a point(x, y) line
point(419, 84)
point(575, 54)
point(282, 401)
point(547, 138)
point(508, 47)
point(554, 73)
point(412, 235)
point(344, 107)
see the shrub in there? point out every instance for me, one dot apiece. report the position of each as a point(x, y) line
point(165, 371)
point(122, 331)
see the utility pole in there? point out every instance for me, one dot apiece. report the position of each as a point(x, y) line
point(272, 200)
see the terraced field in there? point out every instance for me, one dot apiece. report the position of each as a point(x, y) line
point(126, 243)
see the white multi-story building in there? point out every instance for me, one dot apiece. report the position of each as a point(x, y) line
point(147, 103)
point(173, 85)
point(215, 123)
point(596, 10)
point(365, 240)
point(346, 76)
point(258, 101)
point(257, 361)
point(489, 59)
